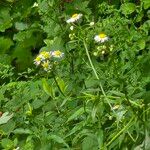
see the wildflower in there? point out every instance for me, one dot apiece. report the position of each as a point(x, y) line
point(101, 38)
point(46, 66)
point(57, 54)
point(45, 55)
point(72, 27)
point(74, 18)
point(35, 4)
point(37, 60)
point(41, 57)
point(92, 23)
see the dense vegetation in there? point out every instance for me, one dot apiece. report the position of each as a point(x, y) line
point(74, 75)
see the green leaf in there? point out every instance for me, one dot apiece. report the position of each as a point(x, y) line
point(22, 131)
point(77, 113)
point(5, 44)
point(5, 19)
point(128, 8)
point(139, 17)
point(58, 139)
point(61, 84)
point(22, 35)
point(21, 26)
point(146, 4)
point(89, 143)
point(141, 44)
point(100, 138)
point(7, 143)
point(47, 88)
point(5, 118)
point(22, 56)
point(37, 103)
point(48, 42)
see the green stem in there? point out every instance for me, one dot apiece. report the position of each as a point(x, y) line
point(96, 75)
point(118, 134)
point(87, 52)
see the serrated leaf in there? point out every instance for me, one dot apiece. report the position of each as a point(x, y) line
point(128, 8)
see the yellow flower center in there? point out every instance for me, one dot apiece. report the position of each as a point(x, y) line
point(45, 54)
point(57, 53)
point(38, 59)
point(45, 65)
point(102, 35)
point(74, 15)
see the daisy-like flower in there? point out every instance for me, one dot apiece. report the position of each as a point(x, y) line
point(74, 18)
point(57, 54)
point(46, 65)
point(45, 55)
point(37, 60)
point(101, 38)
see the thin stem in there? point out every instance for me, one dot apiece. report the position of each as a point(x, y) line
point(87, 52)
point(118, 134)
point(96, 75)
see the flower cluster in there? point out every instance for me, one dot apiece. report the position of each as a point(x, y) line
point(103, 49)
point(100, 38)
point(47, 59)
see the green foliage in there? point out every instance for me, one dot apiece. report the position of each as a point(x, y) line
point(96, 97)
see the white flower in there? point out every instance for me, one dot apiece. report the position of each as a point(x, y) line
point(37, 60)
point(92, 23)
point(72, 27)
point(57, 54)
point(46, 65)
point(74, 18)
point(35, 4)
point(44, 55)
point(101, 38)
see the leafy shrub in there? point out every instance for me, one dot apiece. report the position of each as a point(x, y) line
point(97, 96)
